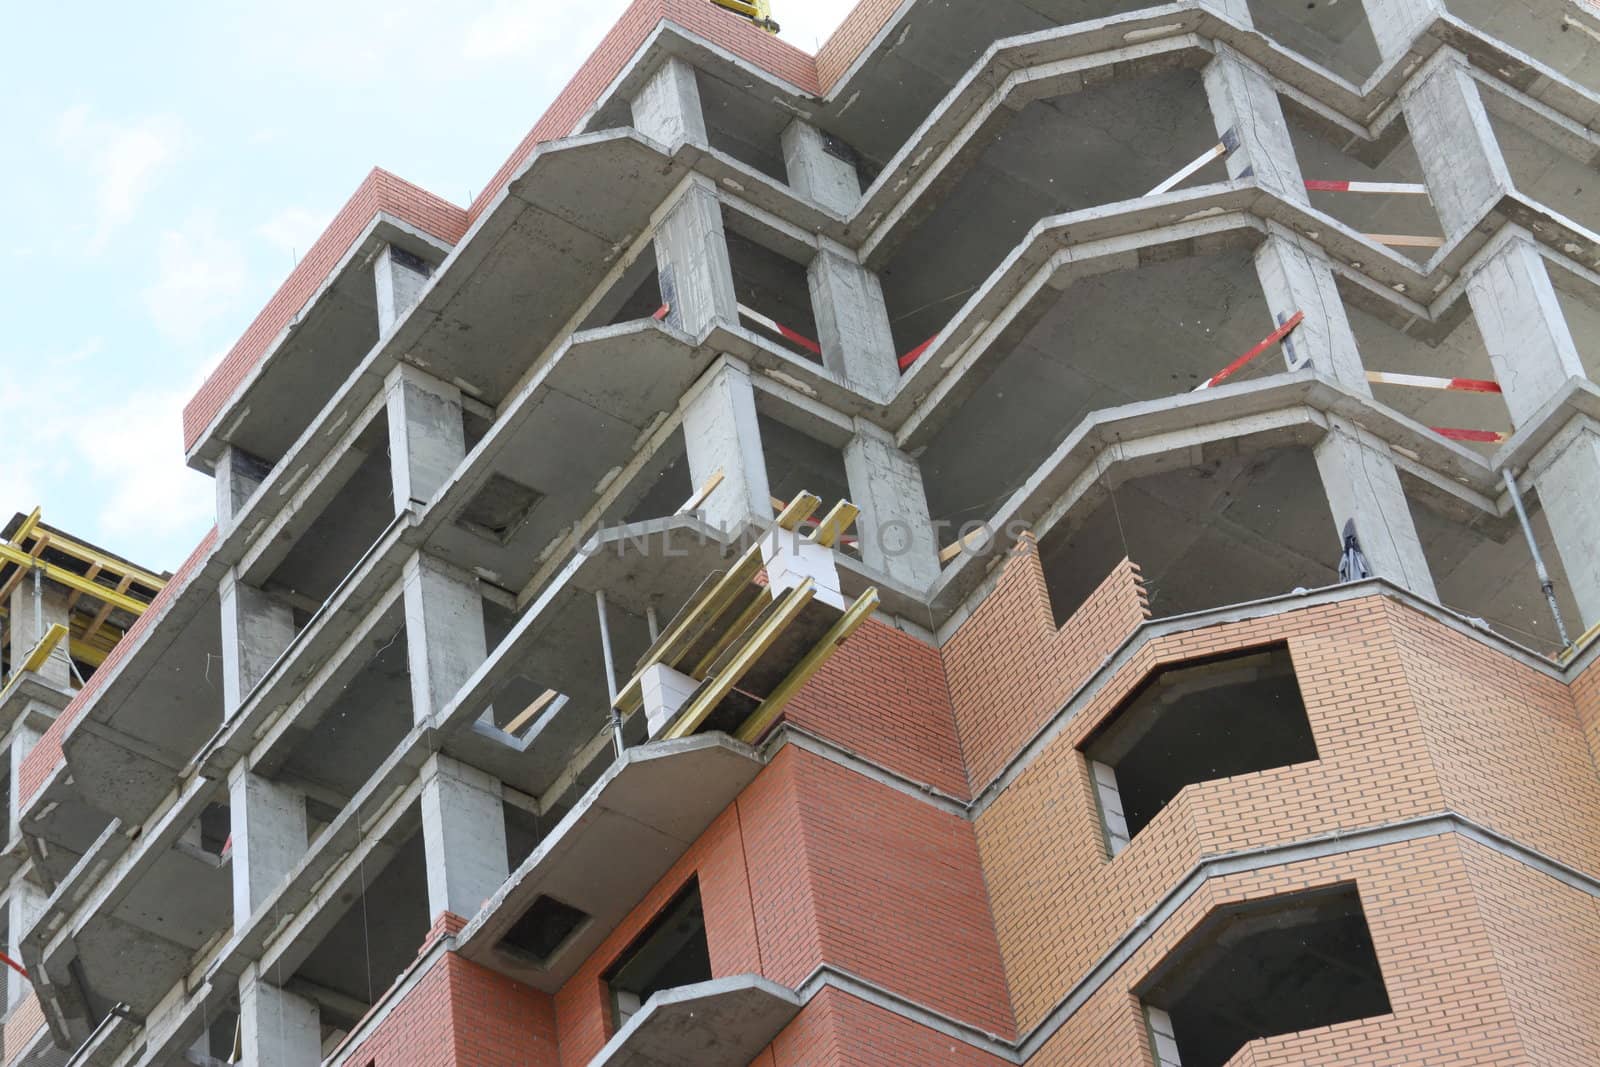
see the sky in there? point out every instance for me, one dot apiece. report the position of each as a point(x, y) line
point(166, 165)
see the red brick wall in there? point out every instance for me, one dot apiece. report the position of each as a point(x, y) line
point(380, 192)
point(852, 37)
point(1010, 669)
point(815, 864)
point(462, 1015)
point(882, 695)
point(46, 755)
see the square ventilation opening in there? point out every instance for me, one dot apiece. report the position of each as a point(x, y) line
point(499, 509)
point(544, 928)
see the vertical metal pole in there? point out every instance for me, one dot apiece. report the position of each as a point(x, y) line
point(611, 671)
point(650, 620)
point(1538, 560)
point(38, 603)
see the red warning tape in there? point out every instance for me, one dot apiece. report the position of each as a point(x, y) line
point(1428, 381)
point(1488, 437)
point(1403, 188)
point(912, 356)
point(1265, 343)
point(662, 312)
point(14, 965)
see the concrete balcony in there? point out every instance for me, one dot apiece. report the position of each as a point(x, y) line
point(725, 1020)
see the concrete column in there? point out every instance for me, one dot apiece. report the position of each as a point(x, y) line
point(1295, 274)
point(256, 628)
point(24, 905)
point(852, 322)
point(721, 433)
point(1569, 492)
point(1523, 326)
point(24, 735)
point(1361, 483)
point(279, 1029)
point(267, 823)
point(36, 605)
point(464, 835)
point(695, 274)
point(668, 108)
point(820, 168)
point(238, 474)
point(427, 438)
point(1396, 23)
point(445, 640)
point(897, 534)
point(1461, 160)
point(1295, 277)
point(399, 278)
point(1244, 103)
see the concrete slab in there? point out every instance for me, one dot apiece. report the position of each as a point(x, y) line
point(725, 1020)
point(314, 354)
point(632, 825)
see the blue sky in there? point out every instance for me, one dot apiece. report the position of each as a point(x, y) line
point(165, 166)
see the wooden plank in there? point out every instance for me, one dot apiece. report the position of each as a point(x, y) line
point(531, 712)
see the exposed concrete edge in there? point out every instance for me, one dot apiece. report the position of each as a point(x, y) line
point(114, 1033)
point(787, 734)
point(778, 1005)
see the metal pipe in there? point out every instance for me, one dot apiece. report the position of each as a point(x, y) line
point(1538, 560)
point(650, 620)
point(611, 671)
point(38, 603)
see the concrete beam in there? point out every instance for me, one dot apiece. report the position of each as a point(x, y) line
point(721, 433)
point(427, 438)
point(24, 905)
point(256, 628)
point(852, 322)
point(445, 639)
point(398, 277)
point(692, 263)
point(820, 168)
point(1362, 485)
point(268, 826)
point(464, 836)
point(897, 535)
point(668, 109)
point(279, 1029)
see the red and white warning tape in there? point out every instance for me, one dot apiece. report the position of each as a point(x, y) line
point(780, 329)
point(1427, 381)
point(1265, 343)
point(1400, 188)
point(912, 356)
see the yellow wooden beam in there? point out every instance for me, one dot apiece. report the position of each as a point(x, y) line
point(35, 659)
point(730, 635)
point(834, 523)
point(104, 613)
point(531, 712)
point(72, 580)
point(770, 708)
point(90, 556)
point(711, 694)
point(757, 11)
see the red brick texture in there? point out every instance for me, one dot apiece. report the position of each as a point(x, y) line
point(462, 1015)
point(46, 755)
point(902, 720)
point(816, 864)
point(840, 1030)
point(380, 192)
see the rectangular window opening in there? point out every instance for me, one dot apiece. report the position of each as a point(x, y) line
point(671, 952)
point(1192, 722)
point(1261, 968)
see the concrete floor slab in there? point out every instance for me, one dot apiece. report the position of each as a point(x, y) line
point(725, 1020)
point(632, 825)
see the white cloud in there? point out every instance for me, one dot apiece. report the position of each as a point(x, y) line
point(508, 29)
point(200, 275)
point(148, 495)
point(123, 160)
point(293, 229)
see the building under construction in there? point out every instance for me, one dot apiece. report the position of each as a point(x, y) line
point(1051, 531)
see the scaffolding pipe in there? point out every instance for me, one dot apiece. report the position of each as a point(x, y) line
point(611, 671)
point(1538, 560)
point(652, 622)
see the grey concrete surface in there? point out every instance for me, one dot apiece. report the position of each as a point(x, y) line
point(726, 1020)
